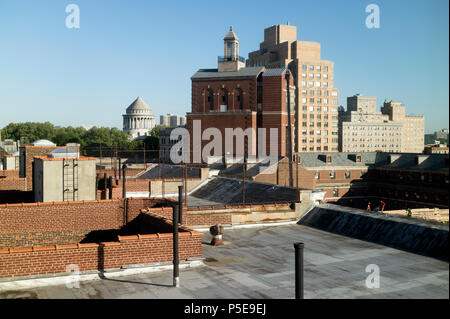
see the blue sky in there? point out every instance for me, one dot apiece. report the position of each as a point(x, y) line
point(125, 49)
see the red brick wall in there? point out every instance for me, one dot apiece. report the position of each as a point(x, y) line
point(23, 225)
point(12, 183)
point(9, 173)
point(136, 249)
point(200, 94)
point(221, 121)
point(129, 250)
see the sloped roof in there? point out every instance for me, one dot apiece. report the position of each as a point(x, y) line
point(220, 190)
point(43, 143)
point(401, 160)
point(214, 73)
point(274, 72)
point(231, 35)
point(139, 104)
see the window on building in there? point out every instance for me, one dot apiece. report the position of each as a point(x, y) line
point(303, 148)
point(325, 148)
point(303, 83)
point(303, 75)
point(311, 75)
point(311, 92)
point(317, 175)
point(311, 100)
point(311, 67)
point(304, 67)
point(319, 92)
point(304, 92)
point(304, 108)
point(311, 108)
point(336, 192)
point(325, 68)
point(305, 116)
point(317, 84)
point(347, 175)
point(311, 148)
point(311, 116)
point(332, 175)
point(318, 67)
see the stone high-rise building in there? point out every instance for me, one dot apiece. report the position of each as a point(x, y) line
point(363, 129)
point(316, 119)
point(413, 126)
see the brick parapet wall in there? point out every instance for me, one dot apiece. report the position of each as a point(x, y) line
point(127, 250)
point(13, 184)
point(139, 249)
point(9, 173)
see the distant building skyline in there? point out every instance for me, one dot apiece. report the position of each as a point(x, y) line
point(96, 69)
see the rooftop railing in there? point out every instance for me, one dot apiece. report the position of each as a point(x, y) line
point(231, 59)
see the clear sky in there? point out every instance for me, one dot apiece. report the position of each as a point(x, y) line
point(124, 49)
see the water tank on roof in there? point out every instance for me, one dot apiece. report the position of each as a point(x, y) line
point(43, 143)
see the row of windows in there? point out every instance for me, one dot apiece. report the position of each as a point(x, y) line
point(370, 134)
point(332, 175)
point(312, 67)
point(374, 145)
point(316, 84)
point(318, 116)
point(319, 124)
point(319, 100)
point(319, 92)
point(318, 108)
point(317, 132)
point(319, 148)
point(319, 140)
point(369, 139)
point(377, 128)
point(318, 75)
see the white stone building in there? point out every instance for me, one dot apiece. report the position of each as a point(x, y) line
point(139, 119)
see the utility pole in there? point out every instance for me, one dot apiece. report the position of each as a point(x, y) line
point(124, 189)
point(176, 262)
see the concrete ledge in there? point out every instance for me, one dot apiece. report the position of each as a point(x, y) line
point(64, 278)
point(249, 225)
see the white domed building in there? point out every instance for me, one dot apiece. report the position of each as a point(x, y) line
point(139, 119)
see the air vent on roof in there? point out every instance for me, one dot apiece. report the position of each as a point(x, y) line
point(392, 158)
point(418, 159)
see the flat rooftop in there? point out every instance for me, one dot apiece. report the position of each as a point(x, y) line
point(258, 262)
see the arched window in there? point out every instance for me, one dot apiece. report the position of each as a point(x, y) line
point(239, 99)
point(223, 100)
point(210, 99)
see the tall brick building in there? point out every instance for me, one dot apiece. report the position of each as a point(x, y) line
point(238, 97)
point(316, 120)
